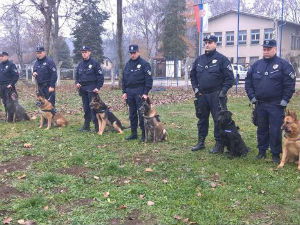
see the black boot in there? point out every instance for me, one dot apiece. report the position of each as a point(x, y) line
point(275, 158)
point(217, 149)
point(200, 145)
point(133, 136)
point(261, 155)
point(85, 127)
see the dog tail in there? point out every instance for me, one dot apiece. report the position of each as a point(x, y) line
point(26, 117)
point(165, 134)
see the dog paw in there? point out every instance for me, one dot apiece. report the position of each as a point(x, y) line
point(299, 169)
point(279, 166)
point(40, 127)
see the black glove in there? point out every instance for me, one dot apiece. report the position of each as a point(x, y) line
point(197, 93)
point(222, 94)
point(253, 100)
point(283, 103)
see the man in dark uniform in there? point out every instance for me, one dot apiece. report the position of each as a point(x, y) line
point(44, 71)
point(211, 77)
point(89, 79)
point(137, 82)
point(8, 77)
point(270, 83)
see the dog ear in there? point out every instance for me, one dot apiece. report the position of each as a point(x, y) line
point(148, 101)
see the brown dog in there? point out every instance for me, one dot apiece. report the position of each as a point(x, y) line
point(154, 130)
point(105, 116)
point(47, 112)
point(291, 140)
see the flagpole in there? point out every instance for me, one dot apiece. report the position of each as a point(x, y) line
point(281, 28)
point(237, 48)
point(201, 27)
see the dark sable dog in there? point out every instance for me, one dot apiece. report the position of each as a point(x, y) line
point(105, 116)
point(154, 130)
point(14, 111)
point(230, 137)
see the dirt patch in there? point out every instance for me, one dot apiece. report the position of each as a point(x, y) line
point(6, 192)
point(74, 171)
point(68, 207)
point(146, 159)
point(132, 219)
point(18, 164)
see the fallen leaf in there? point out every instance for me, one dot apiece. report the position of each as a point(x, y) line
point(122, 207)
point(7, 220)
point(30, 222)
point(149, 170)
point(262, 191)
point(199, 194)
point(216, 176)
point(165, 180)
point(193, 222)
point(142, 196)
point(46, 208)
point(5, 171)
point(33, 118)
point(21, 222)
point(22, 176)
point(106, 194)
point(176, 217)
point(150, 203)
point(186, 220)
point(249, 187)
point(213, 184)
point(27, 145)
point(237, 203)
point(96, 177)
point(70, 154)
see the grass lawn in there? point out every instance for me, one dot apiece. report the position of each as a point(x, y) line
point(67, 177)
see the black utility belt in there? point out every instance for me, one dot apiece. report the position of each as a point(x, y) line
point(136, 86)
point(87, 83)
point(269, 100)
point(209, 91)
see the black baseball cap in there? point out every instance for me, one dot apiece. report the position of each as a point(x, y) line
point(3, 53)
point(210, 38)
point(269, 43)
point(133, 48)
point(40, 49)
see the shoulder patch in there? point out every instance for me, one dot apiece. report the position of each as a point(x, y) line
point(229, 67)
point(149, 72)
point(292, 75)
point(53, 69)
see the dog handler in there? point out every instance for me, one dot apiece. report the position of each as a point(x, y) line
point(270, 83)
point(211, 77)
point(88, 80)
point(137, 82)
point(8, 77)
point(44, 71)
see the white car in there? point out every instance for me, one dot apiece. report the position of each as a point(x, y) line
point(240, 71)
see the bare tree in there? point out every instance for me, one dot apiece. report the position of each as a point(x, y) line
point(120, 40)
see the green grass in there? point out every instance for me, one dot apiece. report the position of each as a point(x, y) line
point(247, 192)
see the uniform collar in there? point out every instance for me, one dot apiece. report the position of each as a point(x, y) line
point(135, 60)
point(209, 54)
point(4, 62)
point(42, 59)
point(87, 60)
point(270, 59)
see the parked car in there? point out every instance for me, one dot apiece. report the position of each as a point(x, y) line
point(239, 71)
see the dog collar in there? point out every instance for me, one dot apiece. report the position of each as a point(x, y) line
point(52, 111)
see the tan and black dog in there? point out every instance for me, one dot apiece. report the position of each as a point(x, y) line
point(14, 111)
point(105, 116)
point(291, 139)
point(47, 112)
point(154, 130)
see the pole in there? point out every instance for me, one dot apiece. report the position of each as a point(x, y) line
point(201, 27)
point(281, 28)
point(237, 49)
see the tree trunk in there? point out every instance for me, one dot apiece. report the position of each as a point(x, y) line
point(120, 40)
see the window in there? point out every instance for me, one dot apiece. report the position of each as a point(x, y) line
point(219, 37)
point(253, 59)
point(268, 34)
point(254, 36)
point(242, 37)
point(229, 38)
point(242, 60)
point(295, 43)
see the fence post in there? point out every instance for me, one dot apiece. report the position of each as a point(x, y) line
point(58, 73)
point(26, 72)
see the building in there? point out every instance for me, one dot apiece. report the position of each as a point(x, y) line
point(254, 29)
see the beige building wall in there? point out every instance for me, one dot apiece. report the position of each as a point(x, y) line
point(228, 22)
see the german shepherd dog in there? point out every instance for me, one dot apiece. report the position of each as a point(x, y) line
point(230, 137)
point(47, 112)
point(291, 139)
point(154, 130)
point(104, 115)
point(14, 111)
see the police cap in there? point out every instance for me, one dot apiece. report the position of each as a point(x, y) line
point(133, 48)
point(40, 49)
point(3, 53)
point(210, 38)
point(269, 43)
point(85, 48)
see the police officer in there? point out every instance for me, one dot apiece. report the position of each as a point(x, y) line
point(89, 79)
point(44, 71)
point(270, 83)
point(211, 77)
point(8, 77)
point(137, 82)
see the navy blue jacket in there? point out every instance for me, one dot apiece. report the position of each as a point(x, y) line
point(137, 73)
point(212, 72)
point(46, 71)
point(89, 72)
point(8, 73)
point(270, 80)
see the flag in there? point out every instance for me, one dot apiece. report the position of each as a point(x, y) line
point(201, 15)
